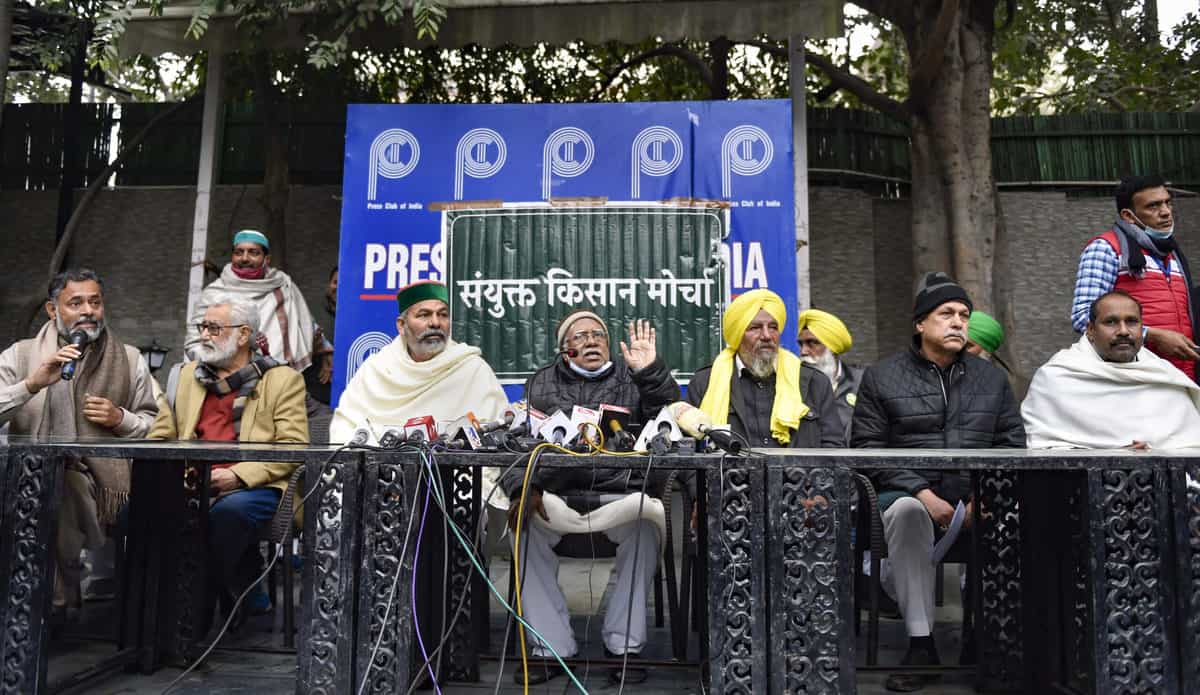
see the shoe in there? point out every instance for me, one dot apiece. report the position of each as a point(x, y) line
point(630, 674)
point(100, 590)
point(540, 671)
point(912, 682)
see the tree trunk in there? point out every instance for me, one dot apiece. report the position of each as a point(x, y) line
point(6, 25)
point(276, 174)
point(72, 175)
point(719, 51)
point(954, 208)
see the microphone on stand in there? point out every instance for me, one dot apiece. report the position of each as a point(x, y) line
point(79, 339)
point(569, 352)
point(361, 436)
point(696, 423)
point(392, 438)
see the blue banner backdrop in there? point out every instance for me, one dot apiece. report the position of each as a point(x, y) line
point(400, 158)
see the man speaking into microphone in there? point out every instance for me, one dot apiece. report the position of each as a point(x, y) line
point(764, 392)
point(585, 374)
point(109, 394)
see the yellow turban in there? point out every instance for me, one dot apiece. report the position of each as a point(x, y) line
point(828, 328)
point(788, 408)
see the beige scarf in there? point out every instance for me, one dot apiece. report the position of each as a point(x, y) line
point(53, 411)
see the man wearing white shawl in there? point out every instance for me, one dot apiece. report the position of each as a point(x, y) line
point(422, 372)
point(283, 315)
point(1107, 391)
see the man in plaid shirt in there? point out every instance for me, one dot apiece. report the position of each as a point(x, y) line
point(1140, 256)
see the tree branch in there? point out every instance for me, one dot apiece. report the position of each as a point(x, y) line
point(929, 64)
point(671, 50)
point(98, 182)
point(842, 79)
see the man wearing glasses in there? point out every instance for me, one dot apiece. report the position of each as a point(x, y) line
point(233, 394)
point(584, 374)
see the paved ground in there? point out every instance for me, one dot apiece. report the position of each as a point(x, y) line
point(236, 670)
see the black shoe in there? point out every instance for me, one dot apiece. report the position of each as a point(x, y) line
point(540, 671)
point(912, 682)
point(629, 674)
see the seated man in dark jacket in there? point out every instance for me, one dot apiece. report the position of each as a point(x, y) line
point(764, 392)
point(585, 375)
point(934, 395)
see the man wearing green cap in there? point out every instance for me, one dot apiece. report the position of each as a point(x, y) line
point(285, 322)
point(985, 335)
point(422, 372)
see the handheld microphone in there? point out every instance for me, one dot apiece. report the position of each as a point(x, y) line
point(78, 339)
point(360, 437)
point(622, 440)
point(393, 438)
point(696, 423)
point(557, 429)
point(420, 429)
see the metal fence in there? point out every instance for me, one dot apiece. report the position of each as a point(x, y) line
point(843, 145)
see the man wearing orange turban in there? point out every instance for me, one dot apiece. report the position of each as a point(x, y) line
point(764, 392)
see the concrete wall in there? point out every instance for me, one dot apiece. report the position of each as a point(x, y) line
point(139, 239)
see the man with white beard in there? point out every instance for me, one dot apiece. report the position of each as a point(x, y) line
point(232, 394)
point(823, 340)
point(110, 395)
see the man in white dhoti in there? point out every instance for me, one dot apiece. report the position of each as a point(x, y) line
point(283, 316)
point(1075, 398)
point(422, 372)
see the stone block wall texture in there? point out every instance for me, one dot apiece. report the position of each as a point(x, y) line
point(861, 257)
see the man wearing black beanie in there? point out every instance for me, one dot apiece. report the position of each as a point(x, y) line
point(917, 399)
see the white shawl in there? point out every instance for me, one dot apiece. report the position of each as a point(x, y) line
point(390, 387)
point(1077, 400)
point(297, 349)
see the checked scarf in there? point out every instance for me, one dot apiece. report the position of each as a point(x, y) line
point(242, 382)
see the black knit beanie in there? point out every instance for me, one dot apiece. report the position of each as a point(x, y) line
point(935, 290)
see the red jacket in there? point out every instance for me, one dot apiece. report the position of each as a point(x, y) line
point(1163, 296)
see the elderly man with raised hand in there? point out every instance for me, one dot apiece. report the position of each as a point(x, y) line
point(422, 372)
point(111, 395)
point(284, 320)
point(823, 341)
point(232, 394)
point(1110, 371)
point(935, 395)
point(765, 393)
point(585, 375)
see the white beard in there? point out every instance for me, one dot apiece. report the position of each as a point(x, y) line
point(827, 363)
point(92, 333)
point(217, 355)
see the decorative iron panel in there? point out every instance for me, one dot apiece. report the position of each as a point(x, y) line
point(1001, 644)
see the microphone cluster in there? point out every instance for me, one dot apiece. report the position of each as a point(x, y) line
point(678, 427)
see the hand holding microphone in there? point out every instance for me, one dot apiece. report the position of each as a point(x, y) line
point(54, 368)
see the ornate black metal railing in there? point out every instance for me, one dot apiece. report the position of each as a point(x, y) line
point(1088, 564)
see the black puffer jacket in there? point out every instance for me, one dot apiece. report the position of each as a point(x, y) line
point(906, 402)
point(558, 387)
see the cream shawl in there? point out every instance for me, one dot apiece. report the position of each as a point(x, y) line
point(1077, 400)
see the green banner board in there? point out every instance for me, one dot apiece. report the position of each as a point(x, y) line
point(515, 271)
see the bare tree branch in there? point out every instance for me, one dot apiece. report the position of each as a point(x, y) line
point(902, 13)
point(928, 66)
point(670, 50)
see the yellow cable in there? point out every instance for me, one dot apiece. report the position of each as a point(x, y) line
point(596, 448)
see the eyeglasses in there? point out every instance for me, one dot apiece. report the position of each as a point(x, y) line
point(215, 329)
point(582, 336)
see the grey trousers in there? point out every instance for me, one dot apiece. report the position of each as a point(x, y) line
point(545, 608)
point(78, 527)
point(908, 530)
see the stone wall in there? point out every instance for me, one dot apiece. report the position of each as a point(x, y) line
point(139, 240)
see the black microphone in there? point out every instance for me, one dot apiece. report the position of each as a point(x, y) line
point(361, 435)
point(78, 339)
point(392, 438)
point(661, 443)
point(569, 352)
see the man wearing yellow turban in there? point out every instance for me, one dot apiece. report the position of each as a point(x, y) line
point(762, 391)
point(823, 339)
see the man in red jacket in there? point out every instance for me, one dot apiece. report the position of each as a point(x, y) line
point(1140, 256)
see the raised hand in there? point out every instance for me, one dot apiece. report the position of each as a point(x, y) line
point(640, 352)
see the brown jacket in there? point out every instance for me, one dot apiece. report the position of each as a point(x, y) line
point(274, 413)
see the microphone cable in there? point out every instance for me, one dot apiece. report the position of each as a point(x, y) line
point(265, 573)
